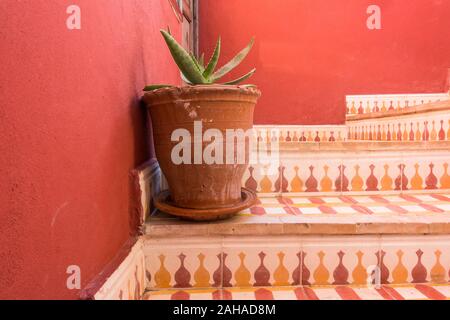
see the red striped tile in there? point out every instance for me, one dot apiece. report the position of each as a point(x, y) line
point(293, 211)
point(301, 294)
point(310, 293)
point(347, 293)
point(327, 210)
point(379, 199)
point(397, 209)
point(362, 209)
point(217, 295)
point(440, 197)
point(431, 208)
point(286, 201)
point(280, 200)
point(393, 293)
point(226, 295)
point(181, 295)
point(430, 292)
point(258, 202)
point(263, 294)
point(410, 198)
point(384, 294)
point(348, 199)
point(316, 200)
point(258, 211)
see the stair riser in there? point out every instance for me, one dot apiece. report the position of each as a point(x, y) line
point(434, 126)
point(351, 171)
point(363, 104)
point(287, 261)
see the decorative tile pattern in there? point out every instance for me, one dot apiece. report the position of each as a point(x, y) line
point(303, 260)
point(367, 205)
point(357, 171)
point(301, 134)
point(387, 292)
point(195, 264)
point(362, 104)
point(409, 260)
point(430, 126)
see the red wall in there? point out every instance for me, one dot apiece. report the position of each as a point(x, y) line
point(71, 131)
point(311, 53)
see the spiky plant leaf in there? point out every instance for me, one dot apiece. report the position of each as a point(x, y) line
point(197, 64)
point(244, 77)
point(185, 79)
point(233, 63)
point(157, 86)
point(213, 61)
point(183, 60)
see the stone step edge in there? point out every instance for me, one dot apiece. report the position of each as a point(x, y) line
point(302, 226)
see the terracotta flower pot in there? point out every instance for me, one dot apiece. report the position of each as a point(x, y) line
point(198, 185)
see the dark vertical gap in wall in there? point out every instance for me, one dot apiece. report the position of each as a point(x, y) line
point(196, 27)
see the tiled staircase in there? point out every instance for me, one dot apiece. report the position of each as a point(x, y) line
point(347, 206)
point(360, 211)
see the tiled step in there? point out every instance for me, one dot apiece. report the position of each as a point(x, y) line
point(428, 122)
point(387, 103)
point(386, 292)
point(352, 167)
point(285, 241)
point(332, 215)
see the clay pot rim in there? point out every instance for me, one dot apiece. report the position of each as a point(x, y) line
point(188, 89)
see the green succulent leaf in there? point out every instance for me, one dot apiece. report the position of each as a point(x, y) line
point(185, 79)
point(157, 86)
point(183, 60)
point(213, 61)
point(233, 63)
point(197, 63)
point(244, 77)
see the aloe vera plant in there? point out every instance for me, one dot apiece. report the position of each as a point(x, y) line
point(195, 72)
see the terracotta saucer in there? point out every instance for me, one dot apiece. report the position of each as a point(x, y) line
point(164, 204)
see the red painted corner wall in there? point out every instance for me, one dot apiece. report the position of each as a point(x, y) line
point(71, 131)
point(309, 54)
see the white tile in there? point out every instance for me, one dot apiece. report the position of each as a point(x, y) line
point(364, 199)
point(201, 296)
point(331, 199)
point(299, 200)
point(413, 208)
point(379, 209)
point(311, 210)
point(368, 294)
point(445, 207)
point(410, 293)
point(284, 295)
point(275, 210)
point(327, 294)
point(269, 200)
point(344, 210)
point(243, 295)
